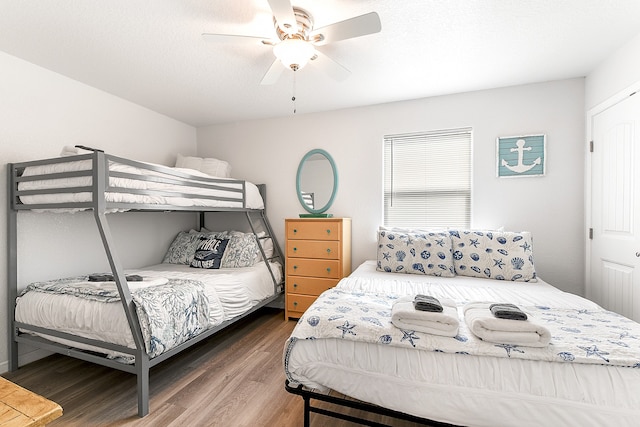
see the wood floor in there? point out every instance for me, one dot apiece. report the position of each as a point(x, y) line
point(233, 379)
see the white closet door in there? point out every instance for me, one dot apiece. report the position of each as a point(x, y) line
point(615, 208)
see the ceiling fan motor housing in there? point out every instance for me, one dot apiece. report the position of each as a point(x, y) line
point(305, 26)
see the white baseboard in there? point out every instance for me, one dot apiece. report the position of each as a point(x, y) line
point(27, 357)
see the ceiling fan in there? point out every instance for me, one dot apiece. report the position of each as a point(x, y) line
point(297, 41)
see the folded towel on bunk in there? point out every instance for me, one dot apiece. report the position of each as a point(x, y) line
point(108, 277)
point(487, 327)
point(445, 323)
point(507, 311)
point(146, 282)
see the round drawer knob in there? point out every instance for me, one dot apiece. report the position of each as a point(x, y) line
point(295, 267)
point(328, 270)
point(295, 249)
point(329, 250)
point(295, 285)
point(295, 230)
point(328, 231)
point(295, 303)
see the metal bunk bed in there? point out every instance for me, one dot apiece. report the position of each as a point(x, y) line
point(228, 192)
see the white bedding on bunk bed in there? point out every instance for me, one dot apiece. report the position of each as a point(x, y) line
point(230, 291)
point(465, 389)
point(253, 197)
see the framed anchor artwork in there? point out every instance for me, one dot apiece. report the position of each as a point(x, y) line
point(521, 156)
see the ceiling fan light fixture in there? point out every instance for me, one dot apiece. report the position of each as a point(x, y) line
point(294, 53)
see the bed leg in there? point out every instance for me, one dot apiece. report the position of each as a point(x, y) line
point(142, 367)
point(307, 405)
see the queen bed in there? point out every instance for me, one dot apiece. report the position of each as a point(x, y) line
point(345, 342)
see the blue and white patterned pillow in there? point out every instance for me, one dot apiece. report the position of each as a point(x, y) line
point(415, 253)
point(182, 248)
point(500, 255)
point(241, 250)
point(209, 252)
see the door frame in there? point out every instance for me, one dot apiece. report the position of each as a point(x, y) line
point(633, 89)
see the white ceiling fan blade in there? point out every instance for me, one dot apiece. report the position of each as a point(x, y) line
point(273, 73)
point(283, 12)
point(349, 28)
point(331, 67)
point(236, 38)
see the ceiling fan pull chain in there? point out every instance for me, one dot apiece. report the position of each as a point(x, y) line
point(293, 98)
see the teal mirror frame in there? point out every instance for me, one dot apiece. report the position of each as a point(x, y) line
point(335, 181)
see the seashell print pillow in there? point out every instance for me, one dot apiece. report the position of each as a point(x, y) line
point(425, 252)
point(499, 255)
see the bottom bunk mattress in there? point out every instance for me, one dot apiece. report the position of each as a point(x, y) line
point(462, 380)
point(175, 301)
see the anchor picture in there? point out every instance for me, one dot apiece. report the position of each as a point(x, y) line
point(521, 156)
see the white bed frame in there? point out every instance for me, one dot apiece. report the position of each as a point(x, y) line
point(100, 174)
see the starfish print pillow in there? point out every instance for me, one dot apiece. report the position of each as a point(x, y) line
point(499, 255)
point(417, 252)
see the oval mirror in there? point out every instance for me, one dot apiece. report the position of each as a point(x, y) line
point(317, 181)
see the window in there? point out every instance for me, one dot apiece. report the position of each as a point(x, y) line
point(427, 179)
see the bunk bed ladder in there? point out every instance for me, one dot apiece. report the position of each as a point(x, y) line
point(277, 251)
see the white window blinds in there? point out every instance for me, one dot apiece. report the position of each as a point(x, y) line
point(427, 179)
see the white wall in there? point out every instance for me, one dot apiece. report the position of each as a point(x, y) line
point(620, 71)
point(551, 207)
point(40, 112)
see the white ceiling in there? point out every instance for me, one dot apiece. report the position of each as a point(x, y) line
point(152, 52)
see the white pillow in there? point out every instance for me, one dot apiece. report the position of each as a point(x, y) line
point(210, 166)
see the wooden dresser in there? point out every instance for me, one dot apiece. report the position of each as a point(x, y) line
point(318, 255)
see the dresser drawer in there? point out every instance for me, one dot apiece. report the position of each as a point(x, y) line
point(314, 267)
point(309, 285)
point(318, 230)
point(299, 303)
point(321, 249)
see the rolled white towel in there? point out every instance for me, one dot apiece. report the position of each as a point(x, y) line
point(486, 326)
point(445, 323)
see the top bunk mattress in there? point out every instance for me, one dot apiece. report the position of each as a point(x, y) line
point(79, 182)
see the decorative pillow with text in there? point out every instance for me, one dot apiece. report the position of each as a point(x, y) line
point(209, 253)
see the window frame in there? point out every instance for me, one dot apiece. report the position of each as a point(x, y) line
point(459, 196)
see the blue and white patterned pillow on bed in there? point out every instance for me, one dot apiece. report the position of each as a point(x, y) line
point(182, 248)
point(241, 250)
point(415, 253)
point(500, 255)
point(209, 253)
